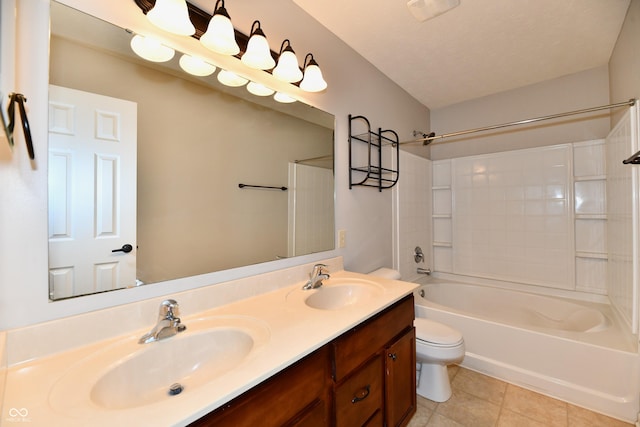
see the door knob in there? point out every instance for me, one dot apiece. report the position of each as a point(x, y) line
point(125, 248)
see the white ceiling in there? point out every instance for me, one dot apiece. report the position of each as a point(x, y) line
point(480, 48)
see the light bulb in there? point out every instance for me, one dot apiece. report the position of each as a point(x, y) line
point(172, 16)
point(228, 78)
point(196, 66)
point(287, 69)
point(312, 80)
point(259, 90)
point(258, 54)
point(220, 36)
point(284, 98)
point(151, 49)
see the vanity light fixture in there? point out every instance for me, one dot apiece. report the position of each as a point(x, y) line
point(196, 66)
point(172, 16)
point(287, 69)
point(284, 98)
point(151, 49)
point(259, 89)
point(231, 79)
point(216, 33)
point(258, 54)
point(220, 36)
point(312, 80)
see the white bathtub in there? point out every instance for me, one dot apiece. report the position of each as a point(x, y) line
point(571, 350)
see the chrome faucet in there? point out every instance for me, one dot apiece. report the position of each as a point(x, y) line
point(168, 323)
point(318, 274)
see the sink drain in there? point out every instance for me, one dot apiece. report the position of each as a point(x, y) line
point(175, 389)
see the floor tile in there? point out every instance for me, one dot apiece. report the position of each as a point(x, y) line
point(479, 385)
point(580, 417)
point(512, 419)
point(535, 406)
point(469, 410)
point(441, 421)
point(479, 400)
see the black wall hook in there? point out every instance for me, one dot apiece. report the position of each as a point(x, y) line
point(18, 98)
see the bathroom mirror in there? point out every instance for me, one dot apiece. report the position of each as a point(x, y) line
point(172, 204)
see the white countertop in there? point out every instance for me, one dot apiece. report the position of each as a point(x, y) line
point(291, 331)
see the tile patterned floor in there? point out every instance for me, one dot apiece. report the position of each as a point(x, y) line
point(479, 401)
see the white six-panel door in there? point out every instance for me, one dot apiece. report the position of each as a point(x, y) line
point(92, 192)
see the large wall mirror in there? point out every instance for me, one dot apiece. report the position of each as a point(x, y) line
point(146, 162)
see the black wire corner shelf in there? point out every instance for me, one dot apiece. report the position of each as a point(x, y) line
point(366, 166)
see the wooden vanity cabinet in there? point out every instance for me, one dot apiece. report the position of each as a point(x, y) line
point(297, 396)
point(388, 341)
point(365, 377)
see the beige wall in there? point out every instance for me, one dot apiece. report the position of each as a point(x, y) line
point(624, 65)
point(569, 93)
point(195, 145)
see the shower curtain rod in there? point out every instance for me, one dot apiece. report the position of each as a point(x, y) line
point(428, 139)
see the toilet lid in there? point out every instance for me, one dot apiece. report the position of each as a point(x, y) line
point(434, 332)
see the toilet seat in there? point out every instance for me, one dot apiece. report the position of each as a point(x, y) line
point(436, 334)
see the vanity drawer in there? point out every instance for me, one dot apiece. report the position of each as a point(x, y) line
point(356, 346)
point(360, 395)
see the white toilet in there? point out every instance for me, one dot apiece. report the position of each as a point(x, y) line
point(437, 346)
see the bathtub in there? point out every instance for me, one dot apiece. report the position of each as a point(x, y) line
point(576, 351)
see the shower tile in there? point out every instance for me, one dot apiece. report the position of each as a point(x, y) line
point(591, 235)
point(441, 173)
point(535, 406)
point(591, 275)
point(442, 230)
point(589, 158)
point(590, 197)
point(442, 202)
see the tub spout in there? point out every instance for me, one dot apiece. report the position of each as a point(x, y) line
point(426, 271)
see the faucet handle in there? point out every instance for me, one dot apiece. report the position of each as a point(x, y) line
point(319, 269)
point(169, 309)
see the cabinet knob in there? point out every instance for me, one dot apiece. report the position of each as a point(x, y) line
point(393, 356)
point(361, 394)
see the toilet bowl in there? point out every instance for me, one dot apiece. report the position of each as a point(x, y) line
point(437, 346)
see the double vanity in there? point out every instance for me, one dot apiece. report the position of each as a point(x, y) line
point(341, 354)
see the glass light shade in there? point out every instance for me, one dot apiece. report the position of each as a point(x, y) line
point(287, 69)
point(196, 66)
point(228, 78)
point(284, 98)
point(220, 36)
point(151, 49)
point(258, 54)
point(172, 16)
point(259, 90)
point(313, 80)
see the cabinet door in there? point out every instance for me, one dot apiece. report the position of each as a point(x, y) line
point(400, 381)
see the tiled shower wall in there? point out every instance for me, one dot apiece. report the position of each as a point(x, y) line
point(412, 205)
point(523, 216)
point(622, 182)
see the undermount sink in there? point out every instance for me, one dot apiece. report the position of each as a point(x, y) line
point(128, 375)
point(335, 294)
